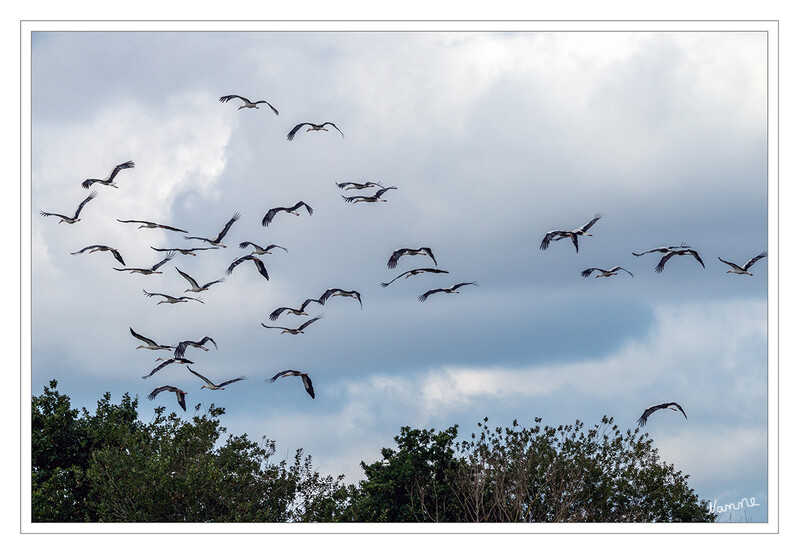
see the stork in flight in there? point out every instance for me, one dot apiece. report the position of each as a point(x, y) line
point(296, 311)
point(75, 218)
point(677, 252)
point(668, 405)
point(255, 259)
point(185, 251)
point(340, 292)
point(745, 269)
point(298, 330)
point(151, 225)
point(148, 270)
point(182, 345)
point(259, 250)
point(218, 240)
point(247, 103)
point(109, 181)
point(101, 248)
point(292, 210)
point(312, 127)
point(166, 363)
point(349, 185)
point(171, 299)
point(210, 385)
point(376, 197)
point(573, 234)
point(397, 254)
point(195, 286)
point(180, 394)
point(449, 290)
point(414, 272)
point(604, 272)
point(149, 344)
point(306, 381)
point(663, 249)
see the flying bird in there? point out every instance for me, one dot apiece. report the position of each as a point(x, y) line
point(151, 225)
point(185, 251)
point(259, 249)
point(255, 259)
point(663, 249)
point(374, 198)
point(292, 210)
point(149, 344)
point(743, 270)
point(340, 292)
point(182, 345)
point(450, 290)
point(247, 103)
point(195, 287)
point(573, 234)
point(166, 363)
point(109, 181)
point(678, 252)
point(397, 254)
point(306, 381)
point(180, 394)
point(101, 248)
point(171, 299)
point(298, 330)
point(148, 270)
point(210, 385)
point(604, 272)
point(349, 185)
point(312, 127)
point(296, 311)
point(414, 272)
point(75, 218)
point(218, 240)
point(668, 405)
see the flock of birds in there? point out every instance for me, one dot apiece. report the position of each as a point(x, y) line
point(178, 352)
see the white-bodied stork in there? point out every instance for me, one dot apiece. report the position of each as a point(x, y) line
point(109, 181)
point(247, 103)
point(101, 248)
point(296, 331)
point(292, 210)
point(180, 394)
point(75, 218)
point(745, 269)
point(668, 405)
point(449, 290)
point(221, 386)
point(312, 127)
point(306, 381)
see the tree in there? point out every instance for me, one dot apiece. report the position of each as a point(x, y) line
point(112, 467)
point(409, 484)
point(542, 474)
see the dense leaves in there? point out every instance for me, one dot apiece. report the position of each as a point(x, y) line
point(110, 466)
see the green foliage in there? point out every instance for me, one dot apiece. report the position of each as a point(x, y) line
point(110, 466)
point(541, 474)
point(409, 484)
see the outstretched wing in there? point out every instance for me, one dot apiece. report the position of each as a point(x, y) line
point(231, 97)
point(663, 260)
point(619, 268)
point(191, 281)
point(306, 381)
point(751, 262)
point(268, 104)
point(333, 125)
point(80, 206)
point(587, 272)
point(588, 225)
point(307, 323)
point(201, 377)
point(237, 261)
point(226, 228)
point(117, 169)
point(229, 381)
point(168, 257)
point(270, 215)
point(296, 128)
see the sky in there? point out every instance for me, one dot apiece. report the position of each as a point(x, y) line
point(491, 140)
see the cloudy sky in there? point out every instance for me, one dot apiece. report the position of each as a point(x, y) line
point(492, 140)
